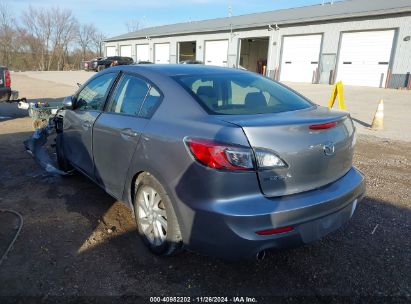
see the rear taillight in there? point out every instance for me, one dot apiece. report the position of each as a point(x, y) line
point(323, 126)
point(220, 155)
point(7, 78)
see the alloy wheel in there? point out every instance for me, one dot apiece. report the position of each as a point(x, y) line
point(152, 215)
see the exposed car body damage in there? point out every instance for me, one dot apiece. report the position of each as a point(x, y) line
point(36, 146)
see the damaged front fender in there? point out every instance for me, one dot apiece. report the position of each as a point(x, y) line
point(36, 146)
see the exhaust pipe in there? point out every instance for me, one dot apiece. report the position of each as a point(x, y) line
point(260, 255)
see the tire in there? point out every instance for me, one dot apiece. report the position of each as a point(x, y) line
point(62, 163)
point(151, 212)
point(100, 68)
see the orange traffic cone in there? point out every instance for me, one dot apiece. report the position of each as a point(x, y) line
point(378, 121)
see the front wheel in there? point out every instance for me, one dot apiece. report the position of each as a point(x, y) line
point(156, 219)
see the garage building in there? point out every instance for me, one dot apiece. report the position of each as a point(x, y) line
point(361, 42)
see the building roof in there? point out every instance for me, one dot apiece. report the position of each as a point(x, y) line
point(338, 10)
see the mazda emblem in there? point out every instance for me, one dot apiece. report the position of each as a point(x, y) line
point(329, 149)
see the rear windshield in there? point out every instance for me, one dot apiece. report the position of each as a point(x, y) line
point(241, 93)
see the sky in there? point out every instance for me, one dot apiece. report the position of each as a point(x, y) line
point(111, 16)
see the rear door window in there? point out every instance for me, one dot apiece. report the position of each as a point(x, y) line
point(129, 95)
point(151, 103)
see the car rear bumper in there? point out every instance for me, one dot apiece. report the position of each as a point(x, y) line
point(228, 229)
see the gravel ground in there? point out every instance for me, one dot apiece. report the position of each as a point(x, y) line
point(77, 240)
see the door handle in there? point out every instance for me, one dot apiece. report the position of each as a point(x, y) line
point(129, 132)
point(87, 124)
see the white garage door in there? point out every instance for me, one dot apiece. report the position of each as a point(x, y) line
point(110, 51)
point(142, 52)
point(364, 58)
point(216, 52)
point(300, 57)
point(162, 53)
point(125, 50)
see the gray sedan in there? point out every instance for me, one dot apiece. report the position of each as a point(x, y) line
point(221, 161)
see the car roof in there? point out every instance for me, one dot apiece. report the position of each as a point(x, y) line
point(179, 69)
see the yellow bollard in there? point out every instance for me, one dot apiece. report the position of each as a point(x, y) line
point(341, 101)
point(333, 96)
point(338, 91)
point(378, 121)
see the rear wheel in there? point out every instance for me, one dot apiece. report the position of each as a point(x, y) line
point(156, 219)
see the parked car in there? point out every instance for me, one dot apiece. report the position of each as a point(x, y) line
point(221, 161)
point(6, 93)
point(89, 65)
point(106, 62)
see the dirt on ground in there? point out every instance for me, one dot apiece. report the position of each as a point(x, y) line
point(77, 240)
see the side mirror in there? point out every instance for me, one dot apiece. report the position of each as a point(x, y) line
point(68, 102)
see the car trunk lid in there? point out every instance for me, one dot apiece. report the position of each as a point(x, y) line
point(314, 156)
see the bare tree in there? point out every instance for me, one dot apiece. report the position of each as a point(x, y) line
point(38, 24)
point(7, 34)
point(64, 27)
point(85, 36)
point(133, 25)
point(54, 29)
point(45, 39)
point(30, 47)
point(97, 41)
